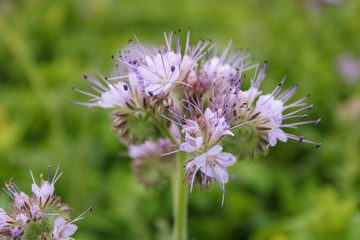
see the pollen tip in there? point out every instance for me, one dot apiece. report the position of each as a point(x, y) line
point(85, 76)
point(90, 209)
point(296, 85)
point(71, 102)
point(318, 145)
point(310, 107)
point(265, 62)
point(112, 56)
point(72, 87)
point(151, 93)
point(304, 116)
point(126, 87)
point(318, 121)
point(301, 139)
point(308, 95)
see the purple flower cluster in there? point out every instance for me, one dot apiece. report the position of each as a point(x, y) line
point(201, 92)
point(28, 211)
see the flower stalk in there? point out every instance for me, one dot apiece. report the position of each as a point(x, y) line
point(180, 199)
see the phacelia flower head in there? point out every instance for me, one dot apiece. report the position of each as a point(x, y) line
point(33, 216)
point(149, 165)
point(202, 93)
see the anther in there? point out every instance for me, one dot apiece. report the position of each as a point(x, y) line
point(310, 107)
point(112, 56)
point(318, 145)
point(301, 139)
point(172, 68)
point(126, 87)
point(85, 76)
point(304, 116)
point(318, 121)
point(151, 93)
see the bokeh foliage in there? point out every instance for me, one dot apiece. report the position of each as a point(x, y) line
point(296, 192)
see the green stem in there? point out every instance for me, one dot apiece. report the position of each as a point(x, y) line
point(180, 199)
point(180, 193)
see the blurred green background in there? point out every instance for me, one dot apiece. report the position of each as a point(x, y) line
point(296, 192)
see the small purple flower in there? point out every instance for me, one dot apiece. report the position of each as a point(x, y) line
point(112, 95)
point(35, 213)
point(46, 189)
point(218, 71)
point(204, 130)
point(17, 231)
point(212, 164)
point(22, 218)
point(62, 230)
point(160, 72)
point(21, 200)
point(193, 137)
point(272, 107)
point(3, 218)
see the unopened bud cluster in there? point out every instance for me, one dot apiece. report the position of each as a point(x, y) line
point(39, 216)
point(200, 92)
